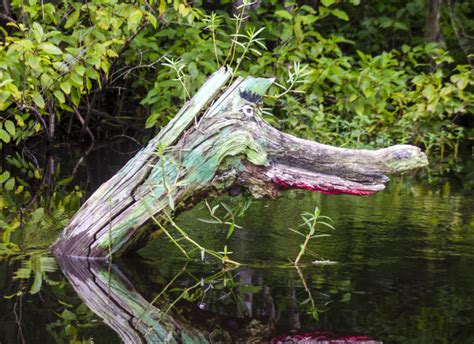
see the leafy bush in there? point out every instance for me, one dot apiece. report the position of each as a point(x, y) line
point(83, 65)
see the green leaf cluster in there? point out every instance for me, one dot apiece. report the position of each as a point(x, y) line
point(59, 64)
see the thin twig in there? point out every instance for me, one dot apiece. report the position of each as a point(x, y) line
point(81, 120)
point(4, 16)
point(125, 46)
point(38, 116)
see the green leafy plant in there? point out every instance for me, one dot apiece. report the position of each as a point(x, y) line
point(310, 221)
point(177, 67)
point(231, 214)
point(183, 235)
point(213, 22)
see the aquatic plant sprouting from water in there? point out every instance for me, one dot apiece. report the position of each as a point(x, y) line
point(222, 256)
point(311, 222)
point(229, 218)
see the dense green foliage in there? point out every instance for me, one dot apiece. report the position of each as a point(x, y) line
point(368, 81)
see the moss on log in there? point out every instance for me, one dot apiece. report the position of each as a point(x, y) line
point(207, 149)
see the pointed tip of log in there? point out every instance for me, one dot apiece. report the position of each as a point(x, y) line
point(401, 158)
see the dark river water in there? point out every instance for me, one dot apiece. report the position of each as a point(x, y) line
point(397, 268)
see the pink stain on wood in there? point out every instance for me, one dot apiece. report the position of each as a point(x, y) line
point(325, 188)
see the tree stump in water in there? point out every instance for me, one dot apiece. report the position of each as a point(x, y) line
point(208, 149)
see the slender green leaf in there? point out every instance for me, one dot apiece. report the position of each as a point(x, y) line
point(10, 127)
point(209, 221)
point(72, 19)
point(4, 136)
point(50, 49)
point(340, 14)
point(37, 283)
point(295, 231)
point(231, 230)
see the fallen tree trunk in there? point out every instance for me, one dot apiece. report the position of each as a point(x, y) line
point(201, 153)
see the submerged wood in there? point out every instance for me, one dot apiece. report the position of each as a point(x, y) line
point(206, 152)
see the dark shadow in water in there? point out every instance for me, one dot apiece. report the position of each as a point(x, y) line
point(224, 307)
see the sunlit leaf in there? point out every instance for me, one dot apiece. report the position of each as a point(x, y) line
point(10, 127)
point(66, 87)
point(134, 19)
point(37, 215)
point(50, 49)
point(4, 136)
point(340, 14)
point(37, 283)
point(72, 19)
point(38, 99)
point(230, 230)
point(283, 14)
point(4, 176)
point(60, 96)
point(328, 3)
point(10, 184)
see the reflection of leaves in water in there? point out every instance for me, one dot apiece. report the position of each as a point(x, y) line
point(8, 249)
point(221, 288)
point(309, 302)
point(108, 293)
point(70, 320)
point(39, 204)
point(37, 292)
point(37, 266)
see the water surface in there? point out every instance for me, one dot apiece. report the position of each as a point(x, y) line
point(404, 273)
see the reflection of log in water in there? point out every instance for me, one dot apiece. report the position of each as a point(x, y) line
point(109, 294)
point(112, 296)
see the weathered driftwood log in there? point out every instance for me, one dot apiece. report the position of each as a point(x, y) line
point(201, 153)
